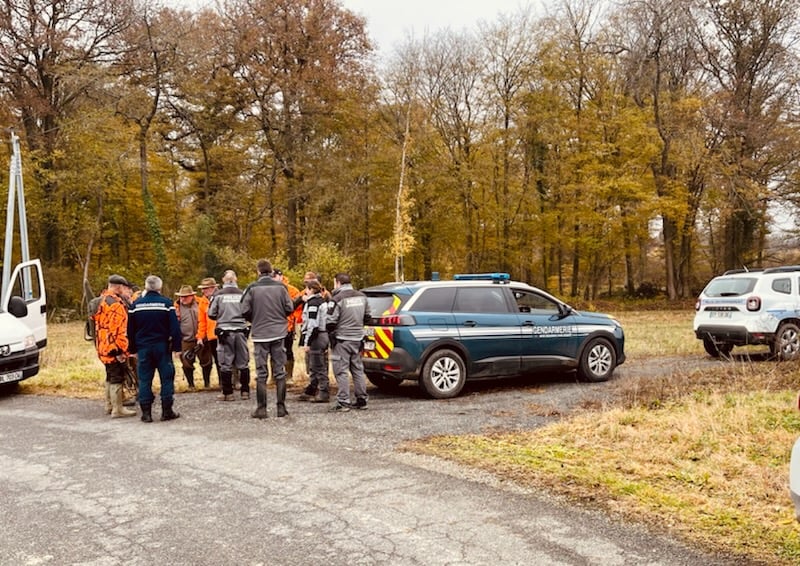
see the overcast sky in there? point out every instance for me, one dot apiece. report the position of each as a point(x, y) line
point(389, 22)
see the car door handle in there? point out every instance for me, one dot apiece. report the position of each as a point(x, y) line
point(528, 323)
point(470, 323)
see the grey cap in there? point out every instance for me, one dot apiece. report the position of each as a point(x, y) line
point(118, 280)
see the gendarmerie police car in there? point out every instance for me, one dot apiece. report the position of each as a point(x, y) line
point(477, 326)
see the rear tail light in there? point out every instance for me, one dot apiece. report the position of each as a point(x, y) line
point(753, 303)
point(394, 320)
point(697, 305)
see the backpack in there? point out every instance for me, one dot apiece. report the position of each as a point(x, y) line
point(89, 330)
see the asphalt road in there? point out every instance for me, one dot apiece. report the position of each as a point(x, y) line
point(218, 487)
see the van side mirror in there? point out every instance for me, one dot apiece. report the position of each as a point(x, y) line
point(17, 307)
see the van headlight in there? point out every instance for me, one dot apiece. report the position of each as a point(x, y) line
point(29, 342)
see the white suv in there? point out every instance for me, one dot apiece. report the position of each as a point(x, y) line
point(751, 307)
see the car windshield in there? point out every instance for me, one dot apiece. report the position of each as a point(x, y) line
point(730, 287)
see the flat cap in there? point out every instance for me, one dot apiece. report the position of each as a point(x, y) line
point(118, 280)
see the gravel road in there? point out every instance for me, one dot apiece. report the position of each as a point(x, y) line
point(217, 487)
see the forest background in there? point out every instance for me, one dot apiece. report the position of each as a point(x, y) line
point(633, 148)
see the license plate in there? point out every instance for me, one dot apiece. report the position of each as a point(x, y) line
point(720, 314)
point(369, 345)
point(11, 376)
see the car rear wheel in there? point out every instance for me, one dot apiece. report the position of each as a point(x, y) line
point(716, 349)
point(443, 375)
point(787, 342)
point(384, 383)
point(598, 361)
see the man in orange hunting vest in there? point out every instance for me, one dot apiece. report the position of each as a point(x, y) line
point(111, 341)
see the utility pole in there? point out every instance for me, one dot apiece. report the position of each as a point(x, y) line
point(16, 193)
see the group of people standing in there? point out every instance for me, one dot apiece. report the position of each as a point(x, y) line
point(214, 329)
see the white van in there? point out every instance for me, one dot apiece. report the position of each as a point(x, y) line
point(23, 323)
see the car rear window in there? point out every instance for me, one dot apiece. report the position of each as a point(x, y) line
point(384, 303)
point(730, 287)
point(435, 299)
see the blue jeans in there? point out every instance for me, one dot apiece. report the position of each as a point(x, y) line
point(152, 358)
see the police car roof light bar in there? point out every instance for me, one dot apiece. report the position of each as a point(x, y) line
point(496, 277)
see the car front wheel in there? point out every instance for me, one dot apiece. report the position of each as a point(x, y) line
point(443, 375)
point(787, 342)
point(598, 361)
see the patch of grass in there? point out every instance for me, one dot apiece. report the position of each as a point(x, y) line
point(703, 454)
point(68, 366)
point(659, 333)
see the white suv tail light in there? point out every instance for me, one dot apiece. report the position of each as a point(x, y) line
point(753, 303)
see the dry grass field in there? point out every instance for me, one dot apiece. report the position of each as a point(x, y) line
point(704, 453)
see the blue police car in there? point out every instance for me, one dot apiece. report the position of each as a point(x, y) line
point(477, 326)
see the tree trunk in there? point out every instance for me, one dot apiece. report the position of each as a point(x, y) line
point(151, 215)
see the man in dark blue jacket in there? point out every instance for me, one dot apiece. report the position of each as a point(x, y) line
point(153, 333)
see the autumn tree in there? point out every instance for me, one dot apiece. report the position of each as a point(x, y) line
point(510, 45)
point(449, 87)
point(292, 59)
point(154, 44)
point(51, 52)
point(748, 48)
point(664, 77)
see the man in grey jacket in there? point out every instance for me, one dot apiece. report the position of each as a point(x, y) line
point(266, 304)
point(345, 324)
point(231, 329)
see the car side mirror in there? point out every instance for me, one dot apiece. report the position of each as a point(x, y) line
point(17, 307)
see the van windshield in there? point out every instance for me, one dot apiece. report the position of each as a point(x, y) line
point(730, 286)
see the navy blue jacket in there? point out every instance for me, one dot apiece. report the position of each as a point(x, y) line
point(152, 320)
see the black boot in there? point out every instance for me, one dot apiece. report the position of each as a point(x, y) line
point(207, 377)
point(147, 415)
point(261, 399)
point(167, 414)
point(280, 390)
point(189, 373)
point(226, 382)
point(244, 382)
point(308, 393)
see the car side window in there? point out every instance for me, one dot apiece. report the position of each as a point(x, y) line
point(534, 303)
point(782, 286)
point(434, 299)
point(480, 300)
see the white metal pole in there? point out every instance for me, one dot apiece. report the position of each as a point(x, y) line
point(9, 241)
point(23, 213)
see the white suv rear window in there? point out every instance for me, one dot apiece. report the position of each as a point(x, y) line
point(730, 287)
